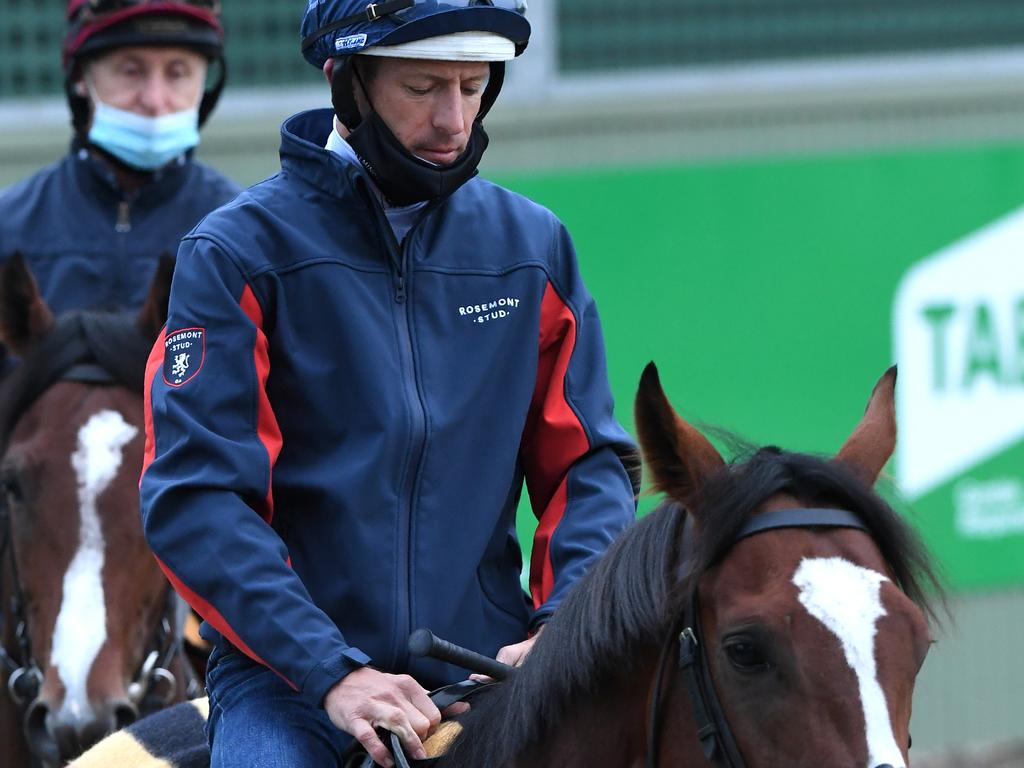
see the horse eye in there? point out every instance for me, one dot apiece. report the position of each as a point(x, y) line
point(11, 488)
point(744, 654)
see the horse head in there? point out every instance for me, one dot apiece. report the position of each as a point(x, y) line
point(92, 629)
point(771, 614)
point(805, 621)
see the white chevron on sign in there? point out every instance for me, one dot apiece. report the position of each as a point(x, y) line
point(959, 340)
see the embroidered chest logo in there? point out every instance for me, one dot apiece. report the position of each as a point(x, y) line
point(489, 311)
point(184, 352)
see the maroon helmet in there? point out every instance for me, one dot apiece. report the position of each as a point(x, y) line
point(97, 26)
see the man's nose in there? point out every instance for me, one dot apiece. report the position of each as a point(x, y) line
point(155, 97)
point(448, 116)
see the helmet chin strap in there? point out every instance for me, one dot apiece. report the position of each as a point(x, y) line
point(401, 177)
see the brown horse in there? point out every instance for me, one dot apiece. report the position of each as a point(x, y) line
point(89, 625)
point(772, 615)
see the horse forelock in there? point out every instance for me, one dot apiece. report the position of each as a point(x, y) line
point(111, 340)
point(736, 493)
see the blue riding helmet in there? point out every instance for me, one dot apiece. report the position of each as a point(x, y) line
point(342, 28)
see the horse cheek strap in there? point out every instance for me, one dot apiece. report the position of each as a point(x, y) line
point(706, 730)
point(716, 739)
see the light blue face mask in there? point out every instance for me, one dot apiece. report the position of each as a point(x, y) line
point(146, 143)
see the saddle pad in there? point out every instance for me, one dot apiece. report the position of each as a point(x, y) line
point(162, 740)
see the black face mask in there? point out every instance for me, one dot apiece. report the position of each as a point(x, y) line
point(402, 177)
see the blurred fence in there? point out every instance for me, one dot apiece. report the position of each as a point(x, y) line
point(598, 35)
point(593, 35)
point(262, 45)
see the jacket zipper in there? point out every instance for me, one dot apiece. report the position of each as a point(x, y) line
point(124, 217)
point(410, 477)
point(400, 259)
point(398, 256)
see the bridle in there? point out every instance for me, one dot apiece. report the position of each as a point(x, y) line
point(93, 348)
point(713, 730)
point(24, 678)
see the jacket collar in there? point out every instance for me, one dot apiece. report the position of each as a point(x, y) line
point(96, 177)
point(303, 152)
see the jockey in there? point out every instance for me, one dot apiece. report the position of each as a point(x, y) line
point(365, 357)
point(93, 225)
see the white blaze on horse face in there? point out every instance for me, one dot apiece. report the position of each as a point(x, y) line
point(81, 628)
point(846, 598)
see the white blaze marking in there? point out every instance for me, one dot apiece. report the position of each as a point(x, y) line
point(847, 600)
point(81, 628)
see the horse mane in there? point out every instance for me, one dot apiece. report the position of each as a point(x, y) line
point(630, 600)
point(616, 611)
point(110, 340)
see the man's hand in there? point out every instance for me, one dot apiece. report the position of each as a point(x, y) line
point(367, 699)
point(514, 655)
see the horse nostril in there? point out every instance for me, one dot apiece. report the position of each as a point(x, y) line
point(125, 714)
point(114, 715)
point(44, 743)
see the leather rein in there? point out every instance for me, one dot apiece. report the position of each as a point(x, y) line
point(716, 738)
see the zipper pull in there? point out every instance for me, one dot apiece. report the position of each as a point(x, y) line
point(400, 290)
point(124, 217)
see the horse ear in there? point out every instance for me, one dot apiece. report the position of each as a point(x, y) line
point(679, 457)
point(24, 316)
point(154, 312)
point(874, 440)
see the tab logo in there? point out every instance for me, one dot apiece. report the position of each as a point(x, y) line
point(959, 340)
point(184, 353)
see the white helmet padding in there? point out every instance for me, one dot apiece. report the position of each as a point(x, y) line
point(457, 46)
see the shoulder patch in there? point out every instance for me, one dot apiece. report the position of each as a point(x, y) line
point(184, 352)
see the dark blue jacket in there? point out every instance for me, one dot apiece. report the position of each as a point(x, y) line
point(340, 426)
point(89, 244)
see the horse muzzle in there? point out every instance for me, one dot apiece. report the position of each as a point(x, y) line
point(55, 737)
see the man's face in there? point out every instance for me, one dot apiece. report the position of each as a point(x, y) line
point(430, 106)
point(148, 81)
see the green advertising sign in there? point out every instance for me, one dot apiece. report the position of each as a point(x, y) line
point(773, 294)
point(959, 337)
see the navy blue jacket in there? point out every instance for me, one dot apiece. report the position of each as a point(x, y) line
point(89, 244)
point(340, 426)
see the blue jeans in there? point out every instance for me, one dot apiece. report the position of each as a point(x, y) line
point(258, 721)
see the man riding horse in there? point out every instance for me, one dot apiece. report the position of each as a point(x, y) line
point(92, 226)
point(365, 357)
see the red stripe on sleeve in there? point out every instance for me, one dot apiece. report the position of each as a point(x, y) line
point(212, 615)
point(267, 427)
point(154, 366)
point(554, 437)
